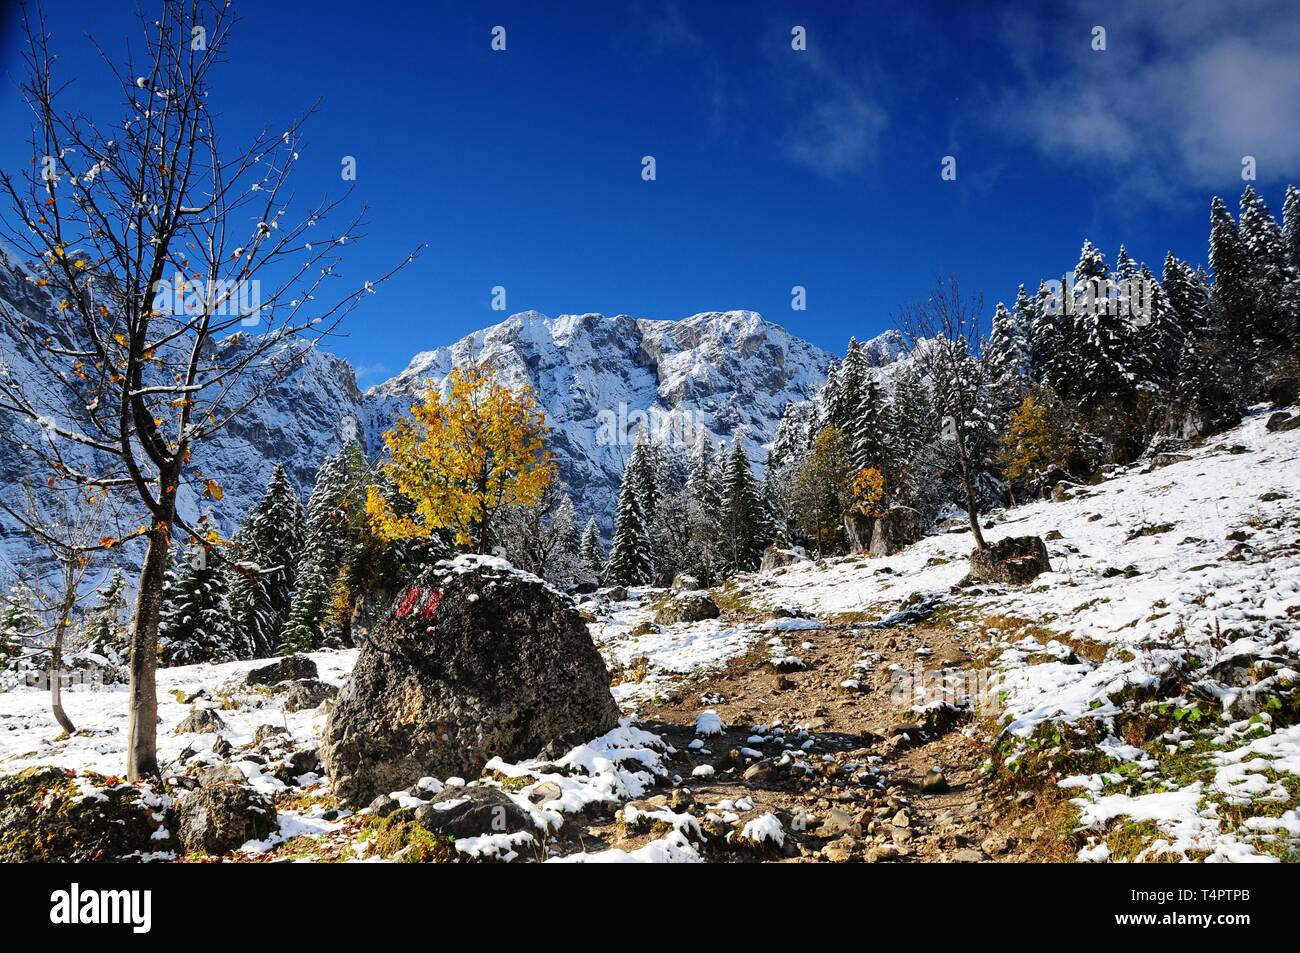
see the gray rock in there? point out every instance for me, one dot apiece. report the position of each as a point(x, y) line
point(200, 721)
point(687, 607)
point(470, 812)
point(290, 668)
point(968, 856)
point(1014, 560)
point(218, 819)
point(308, 693)
point(774, 557)
point(685, 582)
point(499, 664)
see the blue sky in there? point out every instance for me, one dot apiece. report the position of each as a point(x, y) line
point(775, 168)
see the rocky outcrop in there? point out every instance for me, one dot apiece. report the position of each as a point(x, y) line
point(1013, 561)
point(774, 557)
point(476, 660)
point(900, 526)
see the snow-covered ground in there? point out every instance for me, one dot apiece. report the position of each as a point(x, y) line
point(1164, 582)
point(1188, 566)
point(30, 736)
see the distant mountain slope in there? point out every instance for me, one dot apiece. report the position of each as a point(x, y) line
point(603, 381)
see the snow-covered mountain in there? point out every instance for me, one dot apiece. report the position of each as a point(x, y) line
point(603, 381)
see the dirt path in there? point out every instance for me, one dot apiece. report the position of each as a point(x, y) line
point(869, 791)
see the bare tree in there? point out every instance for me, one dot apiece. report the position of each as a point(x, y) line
point(67, 527)
point(182, 288)
point(939, 332)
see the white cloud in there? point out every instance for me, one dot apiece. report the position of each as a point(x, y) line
point(1182, 92)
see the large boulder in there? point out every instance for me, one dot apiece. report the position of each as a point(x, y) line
point(687, 607)
point(50, 814)
point(1014, 561)
point(219, 818)
point(475, 660)
point(900, 526)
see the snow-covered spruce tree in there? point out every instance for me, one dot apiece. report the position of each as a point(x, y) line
point(1232, 289)
point(107, 632)
point(789, 451)
point(325, 539)
point(913, 424)
point(1275, 280)
point(1291, 224)
point(746, 531)
point(1202, 402)
point(1188, 298)
point(1158, 341)
point(264, 565)
point(828, 402)
point(1007, 352)
point(855, 374)
point(251, 619)
point(195, 624)
point(704, 497)
point(870, 435)
point(543, 538)
point(18, 620)
point(670, 527)
point(629, 555)
point(592, 552)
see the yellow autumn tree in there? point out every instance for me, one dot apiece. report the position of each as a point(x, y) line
point(869, 491)
point(461, 457)
point(1036, 438)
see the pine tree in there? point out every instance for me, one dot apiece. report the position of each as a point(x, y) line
point(913, 423)
point(264, 568)
point(1187, 297)
point(19, 622)
point(195, 622)
point(1232, 281)
point(629, 555)
point(107, 634)
point(745, 528)
point(704, 500)
point(1126, 269)
point(1203, 404)
point(1158, 341)
point(1274, 280)
point(593, 553)
point(1291, 224)
point(325, 539)
point(870, 436)
point(1052, 344)
point(1007, 351)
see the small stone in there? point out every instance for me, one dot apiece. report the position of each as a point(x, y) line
point(934, 782)
point(968, 856)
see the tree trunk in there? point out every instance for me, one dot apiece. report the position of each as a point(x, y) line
point(968, 484)
point(56, 652)
point(142, 725)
